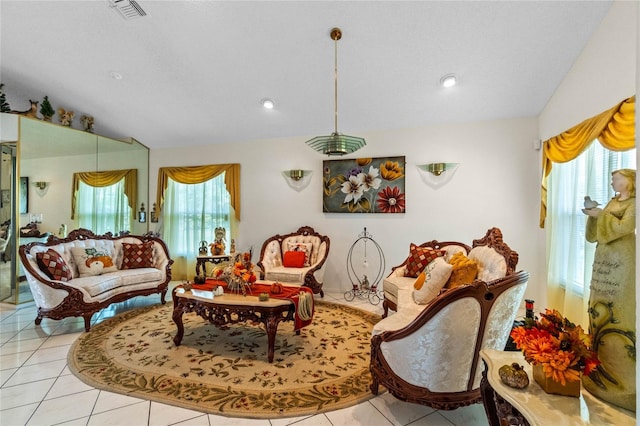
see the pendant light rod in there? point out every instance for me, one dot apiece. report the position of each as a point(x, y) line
point(336, 143)
point(336, 34)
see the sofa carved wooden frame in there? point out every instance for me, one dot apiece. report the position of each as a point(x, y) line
point(383, 375)
point(493, 238)
point(74, 304)
point(309, 278)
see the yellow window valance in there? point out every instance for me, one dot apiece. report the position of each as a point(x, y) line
point(106, 178)
point(614, 128)
point(199, 174)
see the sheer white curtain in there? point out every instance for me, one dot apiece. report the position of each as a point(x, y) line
point(103, 209)
point(191, 212)
point(569, 255)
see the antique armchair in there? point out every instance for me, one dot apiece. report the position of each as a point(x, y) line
point(434, 360)
point(298, 257)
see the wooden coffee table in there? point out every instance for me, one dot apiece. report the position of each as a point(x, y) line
point(231, 309)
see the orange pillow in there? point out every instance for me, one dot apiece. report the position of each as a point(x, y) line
point(464, 270)
point(293, 259)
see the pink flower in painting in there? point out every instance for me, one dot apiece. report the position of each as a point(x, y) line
point(390, 200)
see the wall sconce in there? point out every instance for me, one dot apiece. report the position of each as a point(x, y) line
point(41, 187)
point(297, 179)
point(438, 168)
point(437, 174)
point(142, 215)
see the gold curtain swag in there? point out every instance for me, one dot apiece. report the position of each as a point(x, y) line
point(614, 128)
point(106, 178)
point(199, 174)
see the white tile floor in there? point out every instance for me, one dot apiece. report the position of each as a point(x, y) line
point(37, 388)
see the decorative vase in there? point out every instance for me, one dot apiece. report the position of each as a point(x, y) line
point(551, 386)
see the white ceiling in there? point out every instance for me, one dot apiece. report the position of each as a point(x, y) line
point(194, 72)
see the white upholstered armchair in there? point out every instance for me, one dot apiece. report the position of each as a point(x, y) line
point(434, 360)
point(279, 260)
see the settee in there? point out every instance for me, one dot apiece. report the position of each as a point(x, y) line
point(278, 260)
point(493, 257)
point(427, 352)
point(84, 273)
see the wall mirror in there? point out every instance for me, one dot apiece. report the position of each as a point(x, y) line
point(46, 157)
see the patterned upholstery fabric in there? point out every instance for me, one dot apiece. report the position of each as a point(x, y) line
point(136, 256)
point(419, 258)
point(54, 266)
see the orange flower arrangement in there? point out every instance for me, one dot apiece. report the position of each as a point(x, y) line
point(561, 347)
point(238, 274)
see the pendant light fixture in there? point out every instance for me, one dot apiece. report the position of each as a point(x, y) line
point(336, 143)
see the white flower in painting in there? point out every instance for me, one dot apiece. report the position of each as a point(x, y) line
point(370, 180)
point(354, 188)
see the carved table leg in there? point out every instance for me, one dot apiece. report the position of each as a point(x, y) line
point(177, 318)
point(271, 324)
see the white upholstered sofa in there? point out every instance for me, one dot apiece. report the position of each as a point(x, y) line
point(62, 286)
point(276, 251)
point(429, 353)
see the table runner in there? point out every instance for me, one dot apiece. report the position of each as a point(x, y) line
point(292, 293)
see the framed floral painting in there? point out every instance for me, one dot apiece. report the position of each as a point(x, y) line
point(364, 185)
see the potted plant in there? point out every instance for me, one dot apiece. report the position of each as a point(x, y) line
point(4, 105)
point(46, 109)
point(558, 350)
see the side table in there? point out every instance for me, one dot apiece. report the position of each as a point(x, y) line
point(202, 260)
point(533, 406)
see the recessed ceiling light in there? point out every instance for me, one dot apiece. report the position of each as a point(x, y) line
point(267, 103)
point(115, 75)
point(448, 80)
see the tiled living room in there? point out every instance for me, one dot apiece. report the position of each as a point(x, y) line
point(234, 97)
point(38, 389)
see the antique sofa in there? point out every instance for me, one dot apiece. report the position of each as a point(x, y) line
point(282, 259)
point(84, 273)
point(494, 259)
point(428, 353)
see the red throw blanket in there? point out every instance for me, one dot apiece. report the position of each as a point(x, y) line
point(291, 293)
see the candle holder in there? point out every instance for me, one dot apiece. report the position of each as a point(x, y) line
point(364, 284)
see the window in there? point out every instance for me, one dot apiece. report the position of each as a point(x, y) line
point(103, 209)
point(192, 212)
point(570, 256)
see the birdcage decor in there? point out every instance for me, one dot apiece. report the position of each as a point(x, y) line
point(365, 267)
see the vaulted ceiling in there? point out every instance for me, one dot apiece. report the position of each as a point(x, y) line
point(194, 72)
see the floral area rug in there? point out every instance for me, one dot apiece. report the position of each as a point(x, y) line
point(225, 371)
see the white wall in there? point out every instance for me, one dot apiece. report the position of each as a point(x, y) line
point(603, 75)
point(496, 184)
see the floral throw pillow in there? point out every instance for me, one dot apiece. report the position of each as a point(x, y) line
point(93, 261)
point(419, 258)
point(305, 247)
point(53, 265)
point(136, 256)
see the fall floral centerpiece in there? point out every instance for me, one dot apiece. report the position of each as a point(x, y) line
point(239, 274)
point(561, 348)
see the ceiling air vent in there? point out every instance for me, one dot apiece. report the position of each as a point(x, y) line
point(127, 9)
